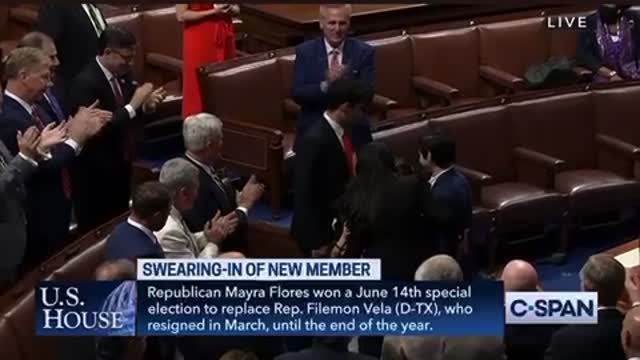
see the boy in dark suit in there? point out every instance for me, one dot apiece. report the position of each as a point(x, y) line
point(449, 189)
point(322, 61)
point(102, 173)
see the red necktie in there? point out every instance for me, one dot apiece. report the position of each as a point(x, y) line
point(66, 178)
point(334, 63)
point(117, 92)
point(348, 152)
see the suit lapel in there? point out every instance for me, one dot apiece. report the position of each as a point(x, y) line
point(331, 136)
point(215, 190)
point(347, 52)
point(84, 18)
point(321, 52)
point(101, 78)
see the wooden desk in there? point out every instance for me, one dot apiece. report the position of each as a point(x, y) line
point(625, 302)
point(274, 26)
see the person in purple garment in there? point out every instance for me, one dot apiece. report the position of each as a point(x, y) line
point(608, 47)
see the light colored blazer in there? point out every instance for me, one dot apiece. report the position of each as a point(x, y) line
point(180, 243)
point(13, 237)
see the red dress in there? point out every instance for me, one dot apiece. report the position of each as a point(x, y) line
point(209, 40)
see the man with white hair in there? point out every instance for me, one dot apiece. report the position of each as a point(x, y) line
point(177, 241)
point(202, 134)
point(320, 62)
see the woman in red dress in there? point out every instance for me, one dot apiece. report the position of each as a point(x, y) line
point(208, 37)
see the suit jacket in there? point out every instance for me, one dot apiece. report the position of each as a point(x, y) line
point(309, 71)
point(74, 35)
point(47, 107)
point(318, 352)
point(48, 211)
point(527, 342)
point(321, 175)
point(601, 341)
point(211, 199)
point(452, 191)
point(12, 203)
point(128, 242)
point(179, 242)
point(397, 236)
point(103, 171)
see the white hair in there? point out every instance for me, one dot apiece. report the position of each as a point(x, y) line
point(178, 173)
point(439, 268)
point(198, 129)
point(325, 7)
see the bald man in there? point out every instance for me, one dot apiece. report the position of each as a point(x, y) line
point(631, 334)
point(519, 275)
point(524, 342)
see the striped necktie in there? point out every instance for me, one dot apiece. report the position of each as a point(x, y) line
point(55, 105)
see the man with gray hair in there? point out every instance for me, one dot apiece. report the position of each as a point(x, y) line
point(606, 276)
point(439, 268)
point(202, 134)
point(177, 241)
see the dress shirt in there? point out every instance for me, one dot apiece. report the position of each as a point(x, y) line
point(212, 174)
point(435, 177)
point(95, 15)
point(29, 108)
point(330, 49)
point(109, 75)
point(337, 128)
point(144, 229)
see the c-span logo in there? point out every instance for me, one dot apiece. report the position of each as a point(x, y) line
point(551, 308)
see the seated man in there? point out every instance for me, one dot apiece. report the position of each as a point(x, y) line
point(322, 61)
point(202, 134)
point(526, 342)
point(181, 178)
point(605, 275)
point(134, 238)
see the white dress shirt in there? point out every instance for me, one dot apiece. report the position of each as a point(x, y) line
point(101, 25)
point(435, 177)
point(109, 75)
point(29, 109)
point(144, 229)
point(330, 50)
point(337, 128)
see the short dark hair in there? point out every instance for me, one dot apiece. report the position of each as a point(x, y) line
point(441, 146)
point(34, 39)
point(150, 198)
point(353, 92)
point(116, 37)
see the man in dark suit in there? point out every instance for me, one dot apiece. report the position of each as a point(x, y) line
point(524, 342)
point(605, 275)
point(102, 174)
point(324, 164)
point(75, 29)
point(202, 134)
point(48, 208)
point(50, 102)
point(134, 238)
point(449, 189)
point(322, 61)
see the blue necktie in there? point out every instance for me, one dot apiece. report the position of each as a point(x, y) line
point(55, 106)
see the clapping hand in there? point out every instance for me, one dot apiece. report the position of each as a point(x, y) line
point(53, 134)
point(28, 142)
point(251, 192)
point(220, 227)
point(156, 97)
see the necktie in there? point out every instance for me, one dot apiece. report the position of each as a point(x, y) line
point(348, 152)
point(219, 183)
point(3, 162)
point(55, 105)
point(117, 92)
point(66, 177)
point(334, 59)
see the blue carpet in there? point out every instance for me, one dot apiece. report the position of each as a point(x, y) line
point(553, 277)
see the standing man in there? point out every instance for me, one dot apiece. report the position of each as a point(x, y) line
point(102, 174)
point(202, 134)
point(75, 28)
point(49, 102)
point(322, 61)
point(48, 206)
point(324, 164)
